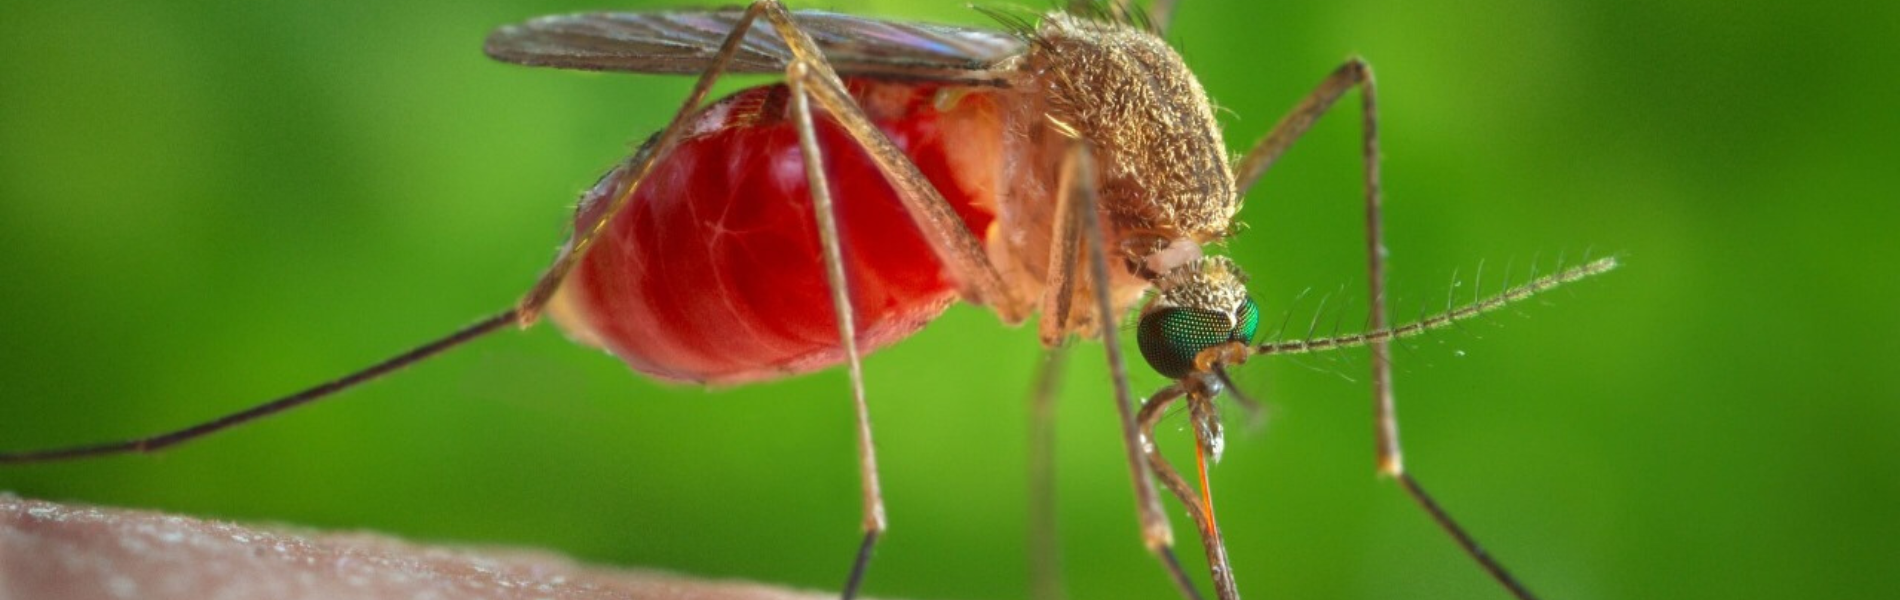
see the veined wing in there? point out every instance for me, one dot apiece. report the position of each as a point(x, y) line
point(684, 43)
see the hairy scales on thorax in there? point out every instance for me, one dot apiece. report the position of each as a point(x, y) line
point(1160, 159)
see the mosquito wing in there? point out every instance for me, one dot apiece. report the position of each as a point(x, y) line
point(685, 42)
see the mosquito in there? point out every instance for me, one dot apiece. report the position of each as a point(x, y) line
point(1067, 165)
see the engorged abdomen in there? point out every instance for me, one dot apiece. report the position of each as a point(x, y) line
point(713, 273)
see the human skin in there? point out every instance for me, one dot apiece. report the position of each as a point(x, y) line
point(73, 552)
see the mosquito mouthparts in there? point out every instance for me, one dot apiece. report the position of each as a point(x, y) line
point(1227, 382)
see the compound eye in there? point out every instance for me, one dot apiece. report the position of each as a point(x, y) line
point(1171, 337)
point(1246, 322)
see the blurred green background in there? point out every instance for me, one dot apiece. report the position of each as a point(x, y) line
point(207, 204)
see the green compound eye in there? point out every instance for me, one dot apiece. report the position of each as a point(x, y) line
point(1249, 320)
point(1170, 338)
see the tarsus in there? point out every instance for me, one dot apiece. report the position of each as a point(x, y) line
point(318, 392)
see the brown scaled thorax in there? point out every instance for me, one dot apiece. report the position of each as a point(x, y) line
point(1163, 179)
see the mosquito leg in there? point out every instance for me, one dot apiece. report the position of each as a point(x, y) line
point(1077, 190)
point(1045, 553)
point(1357, 74)
point(1200, 506)
point(1267, 151)
point(528, 309)
point(961, 252)
point(1075, 212)
point(1059, 292)
point(1207, 440)
point(1056, 323)
point(327, 389)
point(826, 216)
point(1151, 412)
point(811, 78)
point(524, 313)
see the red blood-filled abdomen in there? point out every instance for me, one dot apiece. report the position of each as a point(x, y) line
point(713, 273)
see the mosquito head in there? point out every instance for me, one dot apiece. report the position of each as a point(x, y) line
point(1200, 305)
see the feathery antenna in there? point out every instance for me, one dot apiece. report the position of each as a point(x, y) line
point(1445, 319)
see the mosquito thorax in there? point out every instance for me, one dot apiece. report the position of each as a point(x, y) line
point(1161, 164)
point(1197, 306)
